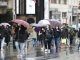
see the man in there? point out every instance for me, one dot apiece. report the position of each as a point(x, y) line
point(20, 39)
point(2, 38)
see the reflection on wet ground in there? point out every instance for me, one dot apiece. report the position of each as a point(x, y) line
point(35, 53)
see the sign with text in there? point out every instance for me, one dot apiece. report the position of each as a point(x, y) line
point(30, 7)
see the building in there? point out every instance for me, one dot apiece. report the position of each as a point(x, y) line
point(24, 9)
point(5, 7)
point(64, 10)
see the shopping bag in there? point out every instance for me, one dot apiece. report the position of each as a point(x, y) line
point(63, 40)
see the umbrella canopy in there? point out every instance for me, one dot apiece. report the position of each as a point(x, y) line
point(35, 25)
point(55, 23)
point(73, 26)
point(43, 23)
point(5, 24)
point(21, 22)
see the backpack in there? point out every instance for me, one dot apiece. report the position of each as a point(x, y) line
point(48, 34)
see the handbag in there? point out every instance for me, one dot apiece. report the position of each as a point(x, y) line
point(63, 40)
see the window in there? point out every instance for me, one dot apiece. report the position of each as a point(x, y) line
point(79, 6)
point(59, 1)
point(64, 14)
point(53, 1)
point(64, 1)
point(2, 0)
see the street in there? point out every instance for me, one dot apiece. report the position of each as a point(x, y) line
point(35, 53)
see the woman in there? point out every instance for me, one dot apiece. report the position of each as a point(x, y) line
point(48, 39)
point(79, 38)
point(34, 37)
point(57, 36)
point(20, 39)
point(42, 35)
point(7, 34)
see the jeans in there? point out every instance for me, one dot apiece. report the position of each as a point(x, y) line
point(57, 43)
point(34, 42)
point(2, 43)
point(20, 47)
point(47, 43)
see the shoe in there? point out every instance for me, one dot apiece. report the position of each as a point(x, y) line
point(42, 49)
point(48, 50)
point(19, 56)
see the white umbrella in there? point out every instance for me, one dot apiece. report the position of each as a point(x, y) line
point(36, 25)
point(79, 25)
point(55, 23)
point(5, 24)
point(74, 26)
point(43, 23)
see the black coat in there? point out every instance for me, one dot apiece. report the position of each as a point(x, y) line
point(42, 35)
point(79, 33)
point(7, 33)
point(64, 33)
point(2, 32)
point(57, 33)
point(21, 35)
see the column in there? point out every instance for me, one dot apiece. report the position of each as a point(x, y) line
point(46, 9)
point(14, 14)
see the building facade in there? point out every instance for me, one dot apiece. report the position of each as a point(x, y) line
point(6, 10)
point(64, 10)
point(24, 9)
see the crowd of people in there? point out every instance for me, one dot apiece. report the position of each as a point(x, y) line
point(46, 37)
point(53, 36)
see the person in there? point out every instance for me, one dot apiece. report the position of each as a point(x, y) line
point(1, 35)
point(7, 33)
point(41, 36)
point(57, 36)
point(34, 37)
point(65, 35)
point(14, 30)
point(48, 39)
point(79, 38)
point(71, 37)
point(2, 38)
point(20, 39)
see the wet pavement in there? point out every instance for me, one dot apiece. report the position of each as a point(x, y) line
point(35, 53)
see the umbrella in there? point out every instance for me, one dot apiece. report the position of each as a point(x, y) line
point(5, 24)
point(21, 22)
point(43, 23)
point(73, 26)
point(35, 25)
point(55, 23)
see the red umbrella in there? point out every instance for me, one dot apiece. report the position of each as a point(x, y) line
point(55, 23)
point(21, 22)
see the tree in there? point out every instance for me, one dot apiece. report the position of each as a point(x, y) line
point(9, 15)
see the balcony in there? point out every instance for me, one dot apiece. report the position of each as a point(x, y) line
point(3, 4)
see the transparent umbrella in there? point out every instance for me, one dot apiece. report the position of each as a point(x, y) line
point(43, 23)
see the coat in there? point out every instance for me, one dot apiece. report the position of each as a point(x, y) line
point(7, 33)
point(57, 33)
point(21, 35)
point(2, 32)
